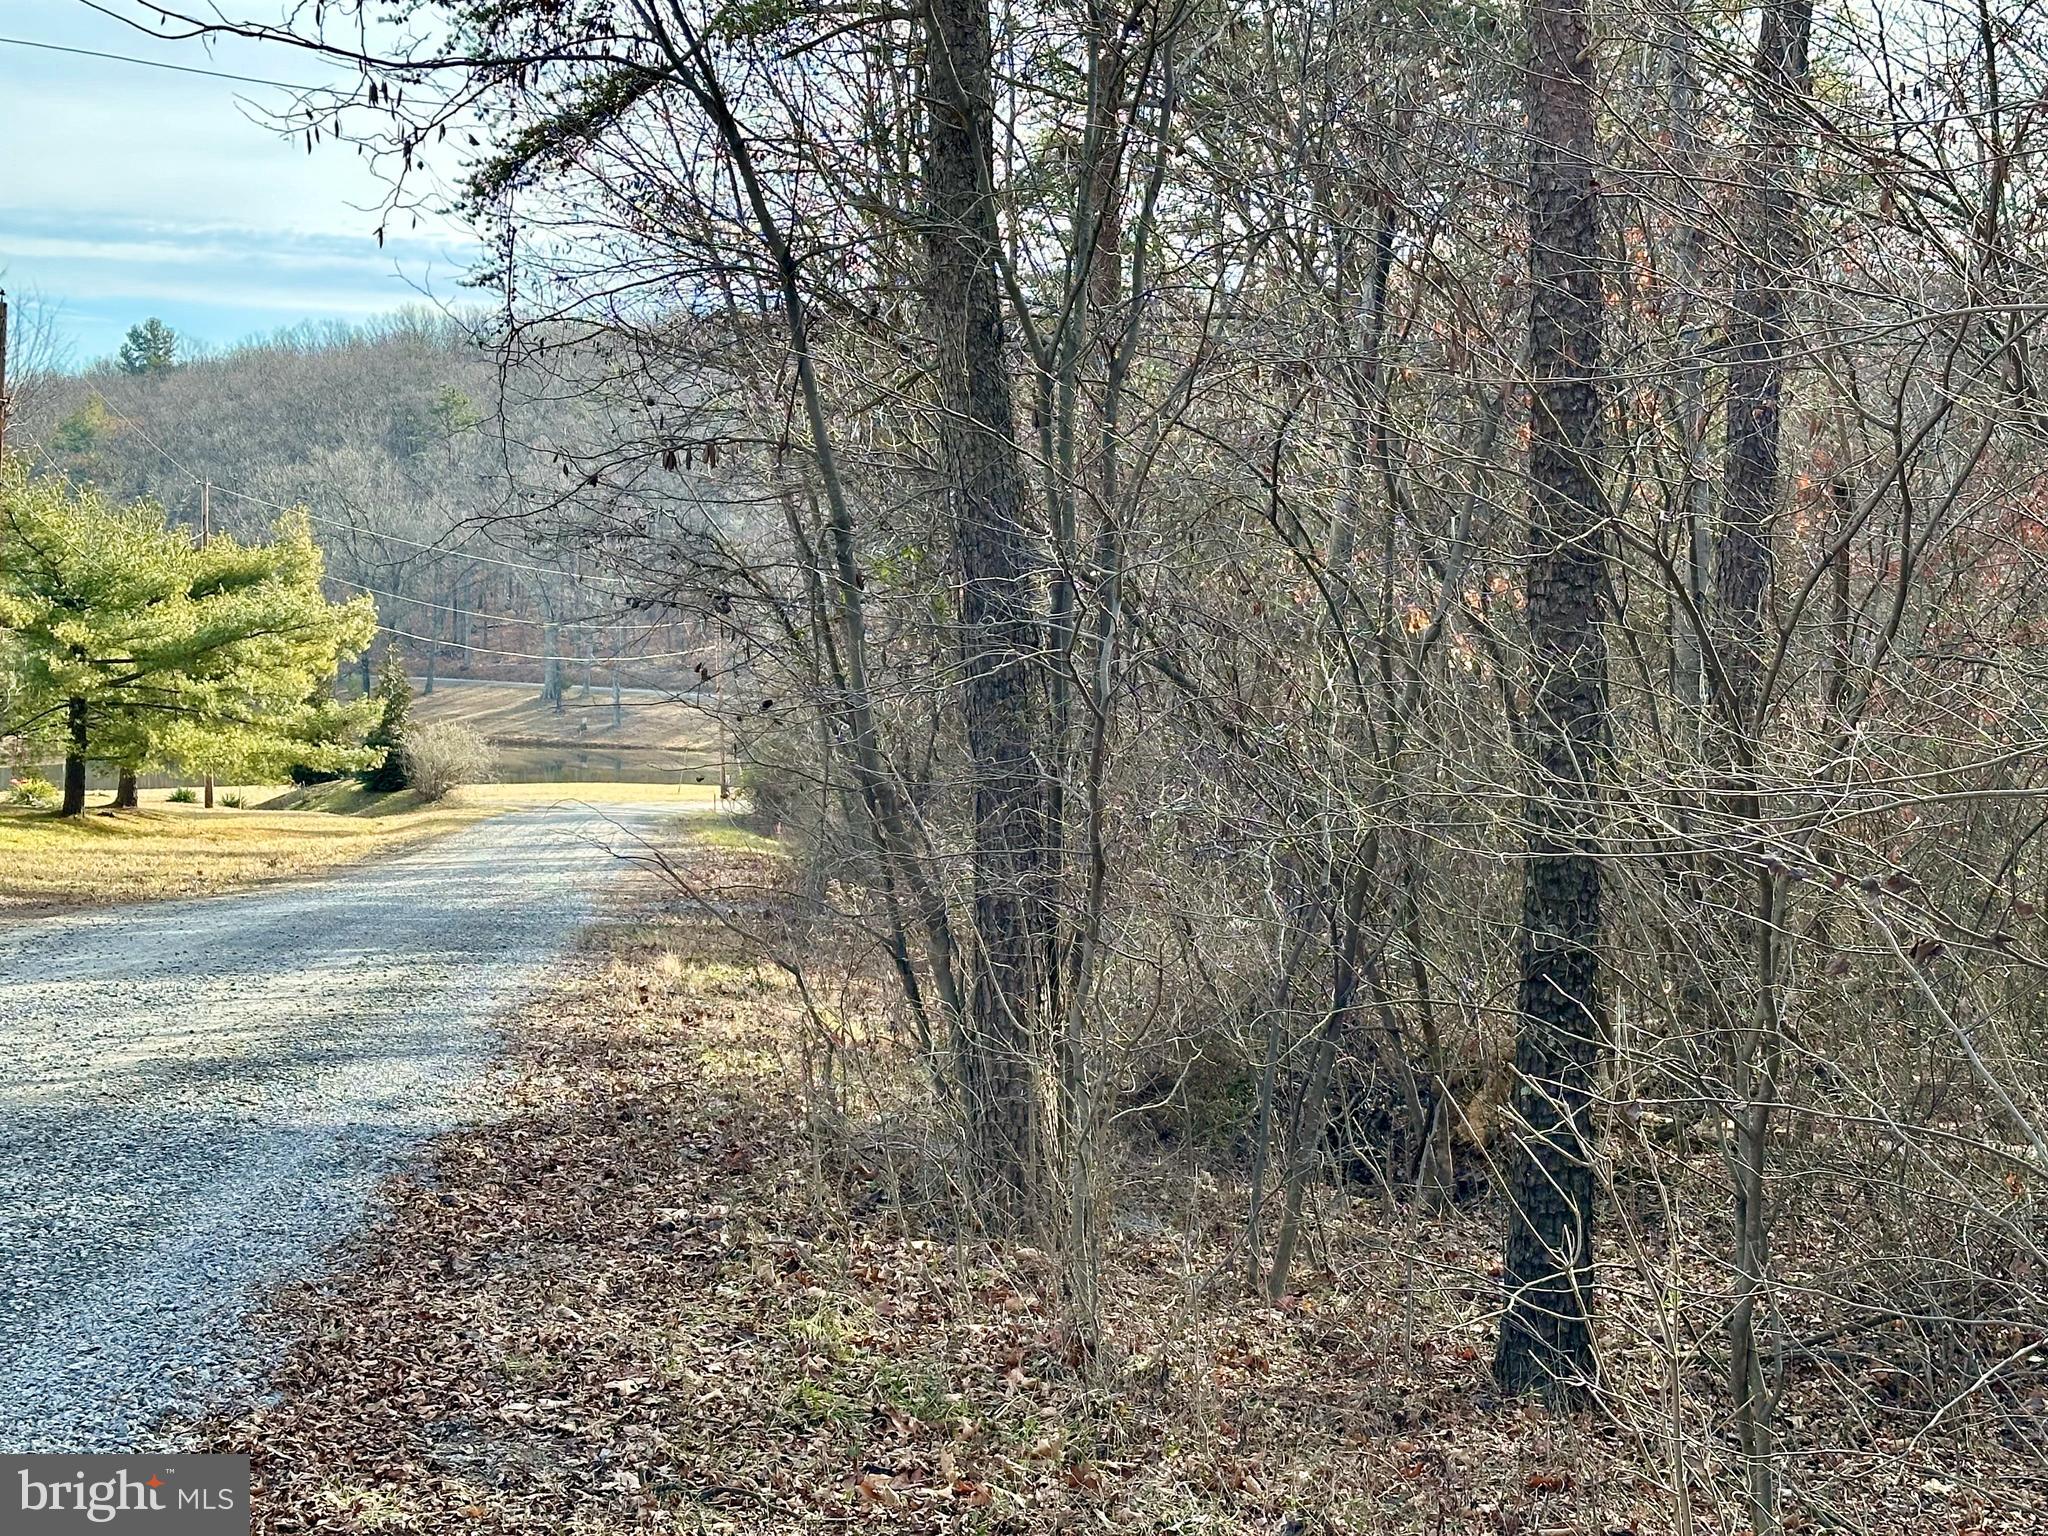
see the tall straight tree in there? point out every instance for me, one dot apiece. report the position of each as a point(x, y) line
point(998, 1049)
point(1766, 261)
point(1545, 1334)
point(1766, 258)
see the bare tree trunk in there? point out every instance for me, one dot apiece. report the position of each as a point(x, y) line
point(841, 573)
point(1755, 1081)
point(1000, 628)
point(1766, 261)
point(1312, 1112)
point(127, 794)
point(74, 760)
point(1291, 952)
point(1074, 948)
point(1695, 533)
point(551, 668)
point(1546, 1340)
point(1436, 1173)
point(433, 647)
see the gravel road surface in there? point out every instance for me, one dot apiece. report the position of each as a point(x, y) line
point(197, 1096)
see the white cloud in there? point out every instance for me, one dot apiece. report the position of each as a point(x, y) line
point(126, 183)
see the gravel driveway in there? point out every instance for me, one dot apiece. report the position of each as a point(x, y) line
point(197, 1096)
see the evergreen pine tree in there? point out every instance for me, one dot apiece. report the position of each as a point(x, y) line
point(394, 696)
point(151, 347)
point(122, 641)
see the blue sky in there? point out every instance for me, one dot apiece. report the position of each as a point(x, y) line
point(134, 191)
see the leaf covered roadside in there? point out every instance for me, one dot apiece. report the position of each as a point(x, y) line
point(656, 1296)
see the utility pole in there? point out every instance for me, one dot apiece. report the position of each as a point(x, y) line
point(205, 532)
point(5, 402)
point(724, 776)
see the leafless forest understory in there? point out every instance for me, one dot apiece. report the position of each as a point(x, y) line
point(1395, 650)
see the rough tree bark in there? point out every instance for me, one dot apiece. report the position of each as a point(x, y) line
point(1689, 250)
point(127, 793)
point(1767, 258)
point(1545, 1334)
point(1000, 628)
point(74, 760)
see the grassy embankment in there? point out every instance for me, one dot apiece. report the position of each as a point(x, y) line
point(652, 738)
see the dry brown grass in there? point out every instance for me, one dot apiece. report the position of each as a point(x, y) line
point(513, 712)
point(656, 737)
point(49, 863)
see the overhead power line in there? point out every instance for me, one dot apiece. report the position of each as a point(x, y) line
point(492, 618)
point(328, 522)
point(183, 69)
point(565, 660)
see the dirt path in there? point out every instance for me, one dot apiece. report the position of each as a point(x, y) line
point(196, 1096)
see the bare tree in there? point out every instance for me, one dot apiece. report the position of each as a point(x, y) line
point(1546, 1339)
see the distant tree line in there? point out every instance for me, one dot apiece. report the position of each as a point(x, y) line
point(404, 441)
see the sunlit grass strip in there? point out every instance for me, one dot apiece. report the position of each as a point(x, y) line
point(165, 850)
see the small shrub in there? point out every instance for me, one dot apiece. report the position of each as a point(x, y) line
point(234, 802)
point(441, 756)
point(35, 792)
point(184, 796)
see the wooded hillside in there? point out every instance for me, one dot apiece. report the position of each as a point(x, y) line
point(403, 444)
